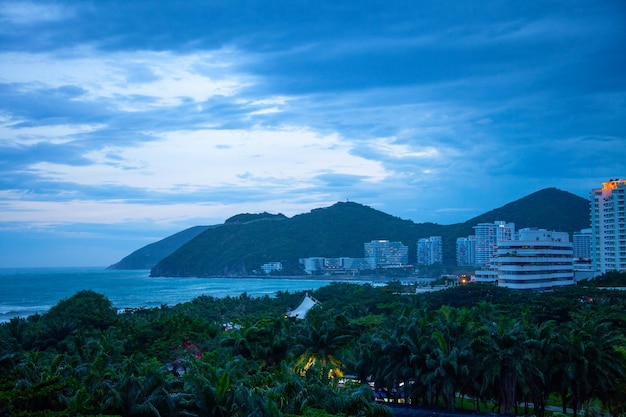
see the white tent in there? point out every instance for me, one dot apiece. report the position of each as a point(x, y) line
point(304, 307)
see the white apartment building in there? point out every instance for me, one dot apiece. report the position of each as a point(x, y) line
point(430, 250)
point(608, 226)
point(537, 260)
point(466, 250)
point(487, 237)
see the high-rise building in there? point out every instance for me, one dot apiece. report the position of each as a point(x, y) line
point(430, 251)
point(386, 253)
point(487, 237)
point(537, 260)
point(466, 250)
point(608, 226)
point(582, 244)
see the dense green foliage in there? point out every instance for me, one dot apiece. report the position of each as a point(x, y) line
point(241, 246)
point(240, 356)
point(610, 279)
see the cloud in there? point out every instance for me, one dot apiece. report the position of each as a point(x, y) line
point(190, 161)
point(434, 111)
point(28, 13)
point(134, 81)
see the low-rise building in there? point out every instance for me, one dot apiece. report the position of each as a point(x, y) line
point(270, 267)
point(324, 266)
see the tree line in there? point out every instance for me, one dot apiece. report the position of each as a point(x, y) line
point(498, 350)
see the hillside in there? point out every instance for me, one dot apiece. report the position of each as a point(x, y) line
point(150, 255)
point(240, 248)
point(550, 208)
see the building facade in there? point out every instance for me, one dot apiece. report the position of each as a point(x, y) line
point(387, 254)
point(343, 265)
point(488, 235)
point(430, 251)
point(608, 226)
point(537, 260)
point(486, 275)
point(466, 251)
point(270, 267)
point(582, 244)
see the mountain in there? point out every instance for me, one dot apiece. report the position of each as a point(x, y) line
point(550, 209)
point(150, 255)
point(240, 247)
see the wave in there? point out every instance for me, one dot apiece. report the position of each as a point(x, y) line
point(7, 312)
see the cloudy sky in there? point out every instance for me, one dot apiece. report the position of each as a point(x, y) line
point(123, 122)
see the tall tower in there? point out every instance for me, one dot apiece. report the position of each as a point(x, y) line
point(608, 226)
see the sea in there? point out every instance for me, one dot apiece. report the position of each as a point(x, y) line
point(28, 291)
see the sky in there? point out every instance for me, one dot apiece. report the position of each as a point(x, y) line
point(123, 122)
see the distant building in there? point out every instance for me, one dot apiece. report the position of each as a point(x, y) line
point(358, 264)
point(608, 226)
point(312, 265)
point(488, 235)
point(430, 251)
point(387, 254)
point(270, 267)
point(466, 250)
point(324, 266)
point(537, 260)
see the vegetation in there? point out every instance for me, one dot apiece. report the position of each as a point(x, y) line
point(502, 351)
point(245, 242)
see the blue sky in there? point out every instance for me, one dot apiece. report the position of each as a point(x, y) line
point(124, 122)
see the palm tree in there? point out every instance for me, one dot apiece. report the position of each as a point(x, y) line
point(448, 355)
point(507, 359)
point(317, 347)
point(210, 390)
point(140, 388)
point(590, 364)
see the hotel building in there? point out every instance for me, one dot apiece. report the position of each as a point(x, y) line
point(608, 226)
point(537, 260)
point(386, 253)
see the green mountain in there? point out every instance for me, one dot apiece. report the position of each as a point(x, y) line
point(239, 248)
point(150, 255)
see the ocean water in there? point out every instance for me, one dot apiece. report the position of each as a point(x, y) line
point(26, 291)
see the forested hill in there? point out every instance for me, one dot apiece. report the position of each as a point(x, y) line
point(150, 255)
point(240, 248)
